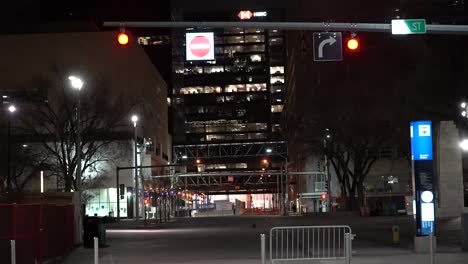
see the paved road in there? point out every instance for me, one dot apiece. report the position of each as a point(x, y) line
point(236, 240)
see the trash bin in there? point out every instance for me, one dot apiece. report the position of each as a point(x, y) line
point(93, 227)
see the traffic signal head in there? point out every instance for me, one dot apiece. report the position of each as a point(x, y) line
point(123, 39)
point(265, 161)
point(324, 196)
point(353, 44)
point(198, 161)
point(146, 200)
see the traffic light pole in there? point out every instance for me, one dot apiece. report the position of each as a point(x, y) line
point(313, 26)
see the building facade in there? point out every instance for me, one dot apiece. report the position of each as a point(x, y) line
point(133, 86)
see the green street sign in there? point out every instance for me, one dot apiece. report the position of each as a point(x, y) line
point(408, 26)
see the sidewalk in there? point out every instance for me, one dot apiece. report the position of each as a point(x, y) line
point(401, 256)
point(363, 256)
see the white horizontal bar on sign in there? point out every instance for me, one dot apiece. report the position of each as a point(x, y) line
point(200, 46)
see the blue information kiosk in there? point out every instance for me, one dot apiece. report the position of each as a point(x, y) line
point(423, 182)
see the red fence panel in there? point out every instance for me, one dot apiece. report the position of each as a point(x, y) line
point(40, 231)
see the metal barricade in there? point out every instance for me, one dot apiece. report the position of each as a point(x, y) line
point(302, 243)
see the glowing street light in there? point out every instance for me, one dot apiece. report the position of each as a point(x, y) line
point(76, 82)
point(12, 109)
point(134, 120)
point(464, 145)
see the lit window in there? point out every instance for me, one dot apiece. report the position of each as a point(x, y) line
point(255, 58)
point(256, 87)
point(277, 70)
point(277, 80)
point(277, 108)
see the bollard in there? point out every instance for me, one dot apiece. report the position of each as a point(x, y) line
point(13, 251)
point(348, 247)
point(431, 247)
point(262, 248)
point(96, 250)
point(396, 234)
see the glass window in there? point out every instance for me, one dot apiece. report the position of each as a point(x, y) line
point(277, 108)
point(277, 70)
point(256, 87)
point(275, 32)
point(218, 40)
point(276, 128)
point(257, 135)
point(234, 31)
point(234, 88)
point(193, 70)
point(277, 79)
point(253, 30)
point(233, 49)
point(192, 90)
point(277, 89)
point(213, 89)
point(276, 41)
point(213, 69)
point(254, 38)
point(257, 58)
point(254, 48)
point(234, 39)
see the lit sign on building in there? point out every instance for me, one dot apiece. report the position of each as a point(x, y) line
point(199, 46)
point(247, 14)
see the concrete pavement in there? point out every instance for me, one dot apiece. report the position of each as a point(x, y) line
point(237, 240)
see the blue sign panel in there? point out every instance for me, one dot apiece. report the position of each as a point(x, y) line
point(423, 173)
point(421, 140)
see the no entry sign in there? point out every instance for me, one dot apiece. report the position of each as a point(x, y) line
point(199, 46)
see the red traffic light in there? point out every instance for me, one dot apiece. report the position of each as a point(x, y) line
point(146, 201)
point(123, 39)
point(352, 44)
point(324, 196)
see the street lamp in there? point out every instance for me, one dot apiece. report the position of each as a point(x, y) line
point(137, 202)
point(11, 110)
point(77, 84)
point(464, 145)
point(464, 107)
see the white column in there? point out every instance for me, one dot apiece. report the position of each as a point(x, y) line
point(449, 177)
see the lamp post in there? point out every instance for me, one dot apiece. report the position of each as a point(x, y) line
point(11, 111)
point(137, 202)
point(77, 84)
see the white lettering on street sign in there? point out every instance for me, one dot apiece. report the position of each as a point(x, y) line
point(408, 26)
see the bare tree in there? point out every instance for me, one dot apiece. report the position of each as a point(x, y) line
point(54, 124)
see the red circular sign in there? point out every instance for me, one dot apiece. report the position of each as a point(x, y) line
point(200, 46)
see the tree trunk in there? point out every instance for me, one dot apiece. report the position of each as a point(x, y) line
point(361, 194)
point(68, 182)
point(350, 200)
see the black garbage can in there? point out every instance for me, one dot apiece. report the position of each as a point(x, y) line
point(93, 227)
